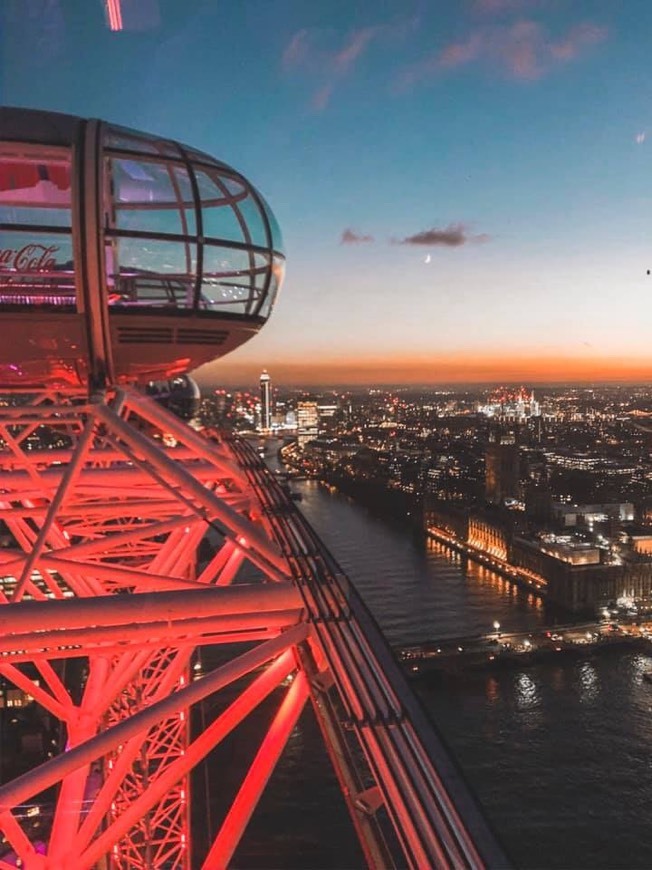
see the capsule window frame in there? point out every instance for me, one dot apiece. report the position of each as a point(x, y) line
point(188, 160)
point(38, 154)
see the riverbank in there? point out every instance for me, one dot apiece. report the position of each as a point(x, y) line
point(404, 508)
point(554, 750)
point(519, 576)
point(401, 507)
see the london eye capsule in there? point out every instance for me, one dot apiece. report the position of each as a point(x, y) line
point(124, 257)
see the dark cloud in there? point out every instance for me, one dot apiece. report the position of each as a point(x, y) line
point(351, 237)
point(451, 236)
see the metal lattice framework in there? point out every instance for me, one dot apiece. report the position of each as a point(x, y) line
point(134, 540)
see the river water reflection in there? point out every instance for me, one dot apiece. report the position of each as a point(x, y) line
point(416, 591)
point(560, 754)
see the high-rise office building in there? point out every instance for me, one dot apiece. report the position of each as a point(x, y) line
point(265, 402)
point(307, 422)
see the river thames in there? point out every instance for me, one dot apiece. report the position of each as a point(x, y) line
point(559, 754)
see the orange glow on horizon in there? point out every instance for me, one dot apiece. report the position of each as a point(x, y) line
point(458, 368)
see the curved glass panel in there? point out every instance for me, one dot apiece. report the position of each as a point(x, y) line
point(124, 139)
point(220, 217)
point(277, 235)
point(233, 279)
point(153, 241)
point(154, 197)
point(252, 215)
point(235, 187)
point(35, 191)
point(151, 272)
point(278, 273)
point(200, 157)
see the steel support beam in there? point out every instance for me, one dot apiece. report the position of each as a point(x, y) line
point(103, 573)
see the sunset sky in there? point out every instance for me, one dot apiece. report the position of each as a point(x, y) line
point(464, 186)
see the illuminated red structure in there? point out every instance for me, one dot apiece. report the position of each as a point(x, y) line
point(114, 14)
point(132, 541)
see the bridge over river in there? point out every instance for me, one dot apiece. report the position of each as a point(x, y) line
point(521, 648)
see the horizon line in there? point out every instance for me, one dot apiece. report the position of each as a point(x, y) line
point(448, 385)
point(442, 370)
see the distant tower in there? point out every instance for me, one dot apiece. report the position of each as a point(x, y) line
point(265, 402)
point(501, 466)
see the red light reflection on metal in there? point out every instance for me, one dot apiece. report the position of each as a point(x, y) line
point(114, 13)
point(103, 566)
point(105, 530)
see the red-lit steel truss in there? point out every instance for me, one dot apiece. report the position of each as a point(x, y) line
point(114, 14)
point(130, 542)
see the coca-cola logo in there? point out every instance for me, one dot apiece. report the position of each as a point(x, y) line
point(29, 258)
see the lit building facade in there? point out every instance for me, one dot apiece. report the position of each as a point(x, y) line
point(307, 422)
point(511, 405)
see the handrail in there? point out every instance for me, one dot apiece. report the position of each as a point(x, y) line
point(435, 818)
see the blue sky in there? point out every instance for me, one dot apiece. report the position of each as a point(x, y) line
point(496, 152)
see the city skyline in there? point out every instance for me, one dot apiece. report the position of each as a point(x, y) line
point(464, 188)
point(189, 675)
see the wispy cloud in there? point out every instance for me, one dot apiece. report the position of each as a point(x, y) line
point(322, 97)
point(460, 53)
point(452, 236)
point(498, 7)
point(307, 52)
point(344, 60)
point(578, 38)
point(523, 50)
point(640, 137)
point(352, 237)
point(297, 50)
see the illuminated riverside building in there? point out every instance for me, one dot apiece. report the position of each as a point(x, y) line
point(574, 552)
point(570, 573)
point(489, 537)
point(590, 515)
point(640, 540)
point(307, 422)
point(132, 540)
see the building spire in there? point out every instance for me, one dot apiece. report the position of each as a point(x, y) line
point(265, 402)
